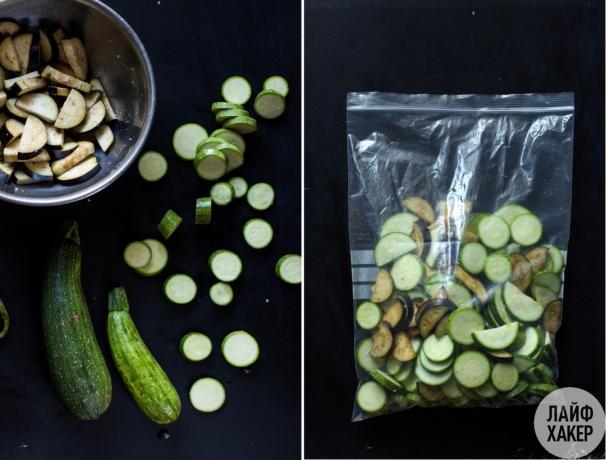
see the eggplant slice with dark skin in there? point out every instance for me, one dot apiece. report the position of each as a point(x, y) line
point(430, 314)
point(381, 290)
point(552, 316)
point(394, 311)
point(81, 172)
point(421, 208)
point(521, 273)
point(382, 340)
point(537, 258)
point(403, 350)
point(472, 283)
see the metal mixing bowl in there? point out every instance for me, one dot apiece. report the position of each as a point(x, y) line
point(117, 57)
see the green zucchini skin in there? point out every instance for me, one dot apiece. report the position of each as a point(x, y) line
point(75, 361)
point(145, 379)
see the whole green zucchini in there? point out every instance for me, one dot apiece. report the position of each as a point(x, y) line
point(76, 364)
point(145, 379)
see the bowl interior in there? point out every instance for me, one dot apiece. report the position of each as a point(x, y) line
point(118, 59)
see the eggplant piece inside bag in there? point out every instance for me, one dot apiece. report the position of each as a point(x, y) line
point(459, 217)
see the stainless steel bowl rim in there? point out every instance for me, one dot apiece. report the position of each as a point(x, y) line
point(70, 197)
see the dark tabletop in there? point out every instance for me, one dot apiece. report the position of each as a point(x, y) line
point(431, 46)
point(193, 47)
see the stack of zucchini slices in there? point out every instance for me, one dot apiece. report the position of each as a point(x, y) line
point(54, 112)
point(464, 309)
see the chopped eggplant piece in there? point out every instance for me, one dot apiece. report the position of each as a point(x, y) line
point(73, 111)
point(381, 290)
point(6, 171)
point(394, 311)
point(23, 179)
point(3, 98)
point(552, 318)
point(34, 135)
point(9, 28)
point(442, 327)
point(105, 138)
point(429, 393)
point(30, 84)
point(3, 119)
point(81, 172)
point(110, 115)
point(23, 44)
point(430, 314)
point(58, 36)
point(39, 170)
point(382, 340)
point(76, 57)
point(94, 116)
point(64, 79)
point(537, 258)
point(10, 82)
point(521, 273)
point(40, 155)
point(41, 105)
point(12, 108)
point(2, 77)
point(8, 55)
point(46, 49)
point(421, 208)
point(10, 154)
point(413, 332)
point(60, 91)
point(66, 149)
point(63, 68)
point(14, 127)
point(403, 350)
point(55, 136)
point(92, 98)
point(417, 236)
point(472, 283)
point(84, 150)
point(416, 305)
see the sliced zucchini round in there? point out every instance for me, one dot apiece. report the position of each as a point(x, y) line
point(236, 90)
point(391, 246)
point(432, 366)
point(407, 272)
point(498, 267)
point(260, 196)
point(152, 166)
point(269, 104)
point(526, 229)
point(504, 376)
point(210, 164)
point(510, 211)
point(473, 257)
point(222, 193)
point(225, 265)
point(180, 289)
point(288, 268)
point(159, 258)
point(258, 233)
point(277, 83)
point(186, 138)
point(207, 395)
point(493, 231)
point(240, 186)
point(462, 323)
point(195, 346)
point(471, 369)
point(137, 254)
point(368, 315)
point(438, 349)
point(240, 349)
point(221, 294)
point(363, 358)
point(432, 378)
point(231, 137)
point(242, 125)
point(371, 397)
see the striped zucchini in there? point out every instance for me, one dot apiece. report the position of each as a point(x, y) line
point(76, 364)
point(145, 379)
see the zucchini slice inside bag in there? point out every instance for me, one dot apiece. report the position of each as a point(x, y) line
point(458, 249)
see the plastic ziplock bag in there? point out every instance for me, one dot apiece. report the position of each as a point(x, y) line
point(459, 216)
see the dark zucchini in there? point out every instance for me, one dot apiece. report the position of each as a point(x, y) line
point(145, 379)
point(76, 364)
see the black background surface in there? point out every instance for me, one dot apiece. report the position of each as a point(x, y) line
point(193, 47)
point(430, 46)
